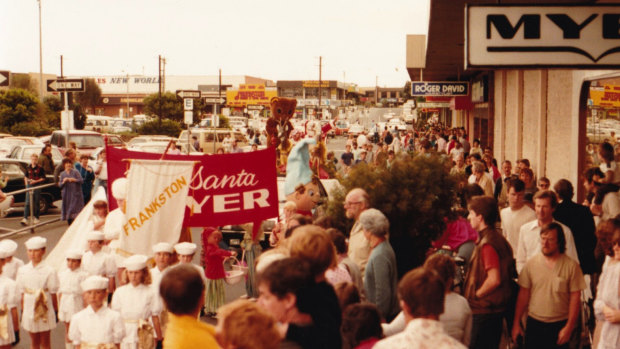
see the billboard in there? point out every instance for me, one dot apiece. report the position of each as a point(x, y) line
point(250, 94)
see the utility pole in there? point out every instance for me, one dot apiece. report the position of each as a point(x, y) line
point(320, 111)
point(40, 56)
point(159, 118)
point(163, 61)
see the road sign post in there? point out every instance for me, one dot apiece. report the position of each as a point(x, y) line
point(4, 77)
point(65, 85)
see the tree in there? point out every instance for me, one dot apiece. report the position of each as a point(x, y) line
point(407, 90)
point(171, 106)
point(17, 105)
point(24, 82)
point(89, 99)
point(415, 194)
point(51, 112)
point(168, 127)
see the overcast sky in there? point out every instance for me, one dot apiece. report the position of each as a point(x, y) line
point(359, 40)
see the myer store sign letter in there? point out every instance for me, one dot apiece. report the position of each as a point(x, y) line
point(543, 36)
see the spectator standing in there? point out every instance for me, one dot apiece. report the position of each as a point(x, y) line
point(88, 177)
point(421, 294)
point(69, 154)
point(71, 188)
point(355, 203)
point(380, 275)
point(550, 290)
point(516, 214)
point(243, 324)
point(488, 282)
point(607, 303)
point(45, 159)
point(35, 175)
point(101, 172)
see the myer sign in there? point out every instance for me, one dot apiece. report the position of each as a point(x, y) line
point(439, 88)
point(542, 36)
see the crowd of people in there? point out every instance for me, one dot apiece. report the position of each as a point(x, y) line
point(519, 263)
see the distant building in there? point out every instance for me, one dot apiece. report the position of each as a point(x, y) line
point(334, 94)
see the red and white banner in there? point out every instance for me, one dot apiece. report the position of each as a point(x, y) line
point(224, 189)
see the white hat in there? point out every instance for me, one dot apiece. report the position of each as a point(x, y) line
point(135, 262)
point(185, 248)
point(10, 245)
point(73, 254)
point(95, 235)
point(119, 188)
point(5, 252)
point(163, 247)
point(94, 282)
point(35, 243)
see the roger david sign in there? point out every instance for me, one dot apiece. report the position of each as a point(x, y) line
point(542, 36)
point(441, 88)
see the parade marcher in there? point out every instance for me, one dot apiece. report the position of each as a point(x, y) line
point(9, 332)
point(70, 299)
point(550, 292)
point(421, 292)
point(38, 285)
point(136, 303)
point(100, 213)
point(12, 263)
point(88, 177)
point(96, 326)
point(70, 183)
point(183, 290)
point(488, 287)
point(380, 275)
point(35, 175)
point(214, 269)
point(114, 222)
point(97, 262)
point(186, 252)
point(301, 185)
point(164, 255)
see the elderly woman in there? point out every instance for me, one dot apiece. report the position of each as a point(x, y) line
point(483, 179)
point(380, 278)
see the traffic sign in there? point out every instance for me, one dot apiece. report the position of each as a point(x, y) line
point(65, 85)
point(188, 103)
point(215, 100)
point(188, 93)
point(4, 78)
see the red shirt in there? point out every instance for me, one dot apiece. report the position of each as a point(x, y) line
point(489, 257)
point(214, 257)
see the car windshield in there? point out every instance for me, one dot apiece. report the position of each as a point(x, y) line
point(87, 141)
point(11, 170)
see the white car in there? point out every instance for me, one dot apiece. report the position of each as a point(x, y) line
point(24, 152)
point(355, 129)
point(145, 139)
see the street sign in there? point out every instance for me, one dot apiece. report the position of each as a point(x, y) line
point(188, 94)
point(65, 85)
point(255, 107)
point(215, 100)
point(4, 78)
point(188, 117)
point(188, 104)
point(439, 88)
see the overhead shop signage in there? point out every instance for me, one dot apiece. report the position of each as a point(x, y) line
point(253, 94)
point(439, 88)
point(607, 96)
point(569, 36)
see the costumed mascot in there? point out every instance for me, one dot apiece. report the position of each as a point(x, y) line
point(301, 185)
point(279, 127)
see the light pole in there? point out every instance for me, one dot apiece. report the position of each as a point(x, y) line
point(40, 55)
point(127, 95)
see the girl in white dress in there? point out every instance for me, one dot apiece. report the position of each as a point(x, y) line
point(12, 263)
point(38, 285)
point(8, 305)
point(136, 303)
point(70, 299)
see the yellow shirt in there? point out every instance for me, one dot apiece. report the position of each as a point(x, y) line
point(186, 332)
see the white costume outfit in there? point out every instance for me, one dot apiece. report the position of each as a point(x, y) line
point(156, 276)
point(420, 333)
point(99, 263)
point(70, 292)
point(607, 295)
point(112, 230)
point(8, 301)
point(34, 282)
point(10, 269)
point(102, 327)
point(134, 304)
point(529, 243)
point(513, 220)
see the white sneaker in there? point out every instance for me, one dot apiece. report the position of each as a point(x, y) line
point(36, 221)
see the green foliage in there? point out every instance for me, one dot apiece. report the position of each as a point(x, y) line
point(31, 128)
point(416, 194)
point(91, 95)
point(407, 90)
point(224, 122)
point(17, 105)
point(51, 111)
point(24, 82)
point(171, 106)
point(168, 127)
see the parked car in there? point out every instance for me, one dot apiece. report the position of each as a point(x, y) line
point(159, 147)
point(342, 127)
point(16, 171)
point(206, 138)
point(113, 140)
point(23, 152)
point(356, 129)
point(86, 141)
point(149, 138)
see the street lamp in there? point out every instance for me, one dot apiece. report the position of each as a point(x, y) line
point(127, 95)
point(40, 55)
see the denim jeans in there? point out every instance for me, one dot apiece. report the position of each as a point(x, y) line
point(35, 207)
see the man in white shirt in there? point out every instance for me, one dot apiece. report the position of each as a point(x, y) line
point(516, 214)
point(545, 203)
point(421, 294)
